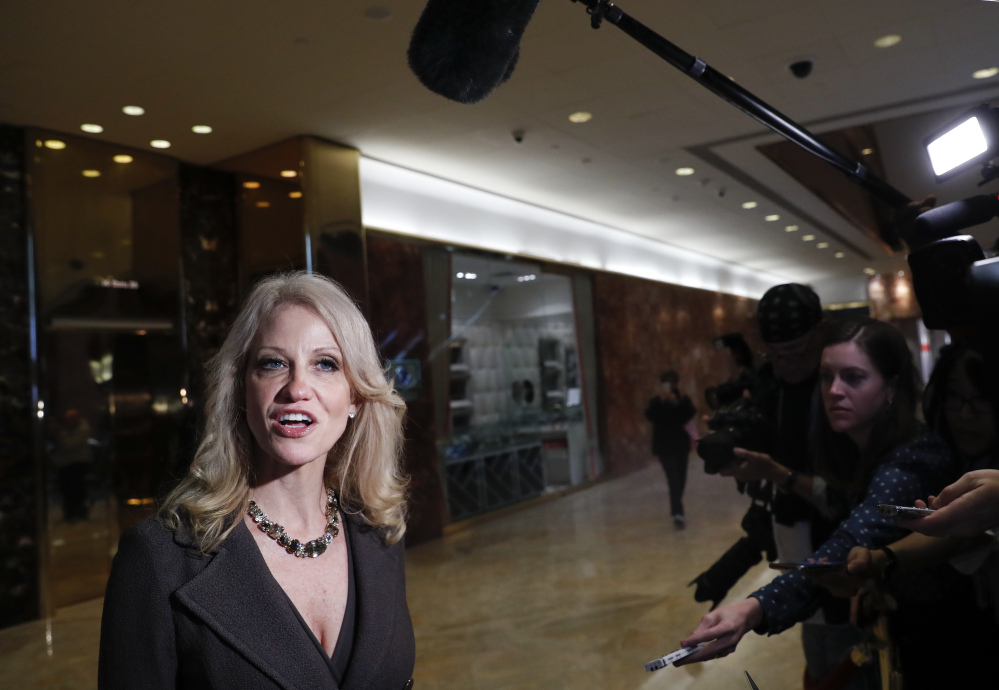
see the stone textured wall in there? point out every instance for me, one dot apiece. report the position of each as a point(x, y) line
point(644, 328)
point(398, 318)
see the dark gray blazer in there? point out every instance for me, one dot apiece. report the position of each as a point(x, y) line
point(176, 619)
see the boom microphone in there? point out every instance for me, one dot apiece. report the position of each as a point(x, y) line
point(463, 49)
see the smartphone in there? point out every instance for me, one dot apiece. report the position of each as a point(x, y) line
point(663, 662)
point(903, 511)
point(815, 566)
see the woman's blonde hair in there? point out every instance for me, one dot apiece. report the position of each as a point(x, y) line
point(363, 465)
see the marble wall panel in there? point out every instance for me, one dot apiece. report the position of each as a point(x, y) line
point(19, 491)
point(644, 328)
point(208, 239)
point(398, 316)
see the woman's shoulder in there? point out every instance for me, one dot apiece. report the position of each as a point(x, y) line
point(926, 448)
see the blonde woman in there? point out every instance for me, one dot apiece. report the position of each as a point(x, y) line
point(277, 562)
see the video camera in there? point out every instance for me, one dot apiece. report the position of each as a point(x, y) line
point(737, 422)
point(955, 284)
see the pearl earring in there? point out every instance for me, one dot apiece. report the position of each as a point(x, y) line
point(351, 414)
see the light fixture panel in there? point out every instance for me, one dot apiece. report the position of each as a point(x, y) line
point(963, 143)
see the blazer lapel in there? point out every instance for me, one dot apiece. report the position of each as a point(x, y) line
point(238, 598)
point(375, 588)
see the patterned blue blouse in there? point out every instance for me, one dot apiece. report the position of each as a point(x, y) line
point(914, 470)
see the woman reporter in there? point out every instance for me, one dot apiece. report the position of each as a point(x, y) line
point(867, 443)
point(302, 429)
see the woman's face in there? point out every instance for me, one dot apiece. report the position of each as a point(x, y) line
point(853, 391)
point(968, 414)
point(297, 396)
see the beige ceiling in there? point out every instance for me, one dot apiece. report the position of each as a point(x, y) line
point(260, 71)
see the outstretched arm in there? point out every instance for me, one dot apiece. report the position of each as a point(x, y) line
point(967, 507)
point(726, 626)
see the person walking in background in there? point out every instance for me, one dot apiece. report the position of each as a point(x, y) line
point(669, 412)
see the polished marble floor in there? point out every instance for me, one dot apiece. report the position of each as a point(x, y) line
point(575, 592)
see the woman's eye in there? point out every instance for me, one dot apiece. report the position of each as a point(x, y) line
point(853, 379)
point(329, 364)
point(826, 378)
point(270, 363)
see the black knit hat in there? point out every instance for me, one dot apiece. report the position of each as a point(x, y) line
point(787, 312)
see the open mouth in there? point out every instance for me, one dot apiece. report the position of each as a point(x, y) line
point(295, 420)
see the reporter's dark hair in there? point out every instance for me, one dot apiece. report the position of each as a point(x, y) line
point(837, 457)
point(966, 353)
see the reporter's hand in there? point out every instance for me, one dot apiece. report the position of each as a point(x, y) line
point(967, 507)
point(725, 625)
point(753, 467)
point(862, 566)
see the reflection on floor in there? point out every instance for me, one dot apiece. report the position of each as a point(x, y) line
point(577, 592)
point(582, 591)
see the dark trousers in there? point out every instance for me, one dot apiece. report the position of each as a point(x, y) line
point(675, 465)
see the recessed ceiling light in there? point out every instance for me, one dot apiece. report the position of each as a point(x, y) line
point(122, 158)
point(133, 110)
point(251, 185)
point(55, 144)
point(289, 173)
point(888, 41)
point(160, 144)
point(985, 73)
point(91, 173)
point(749, 204)
point(294, 195)
point(580, 117)
point(771, 218)
point(790, 228)
point(867, 151)
point(93, 129)
point(201, 129)
point(684, 172)
point(839, 255)
point(263, 204)
point(869, 271)
point(808, 238)
point(459, 274)
point(822, 245)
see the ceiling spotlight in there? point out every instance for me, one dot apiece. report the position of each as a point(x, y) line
point(888, 41)
point(963, 142)
point(866, 152)
point(471, 276)
point(749, 204)
point(289, 173)
point(92, 129)
point(808, 238)
point(160, 144)
point(459, 274)
point(122, 158)
point(294, 195)
point(201, 129)
point(684, 172)
point(91, 173)
point(251, 185)
point(55, 144)
point(985, 73)
point(822, 245)
point(839, 255)
point(790, 228)
point(771, 218)
point(580, 117)
point(869, 271)
point(263, 204)
point(133, 110)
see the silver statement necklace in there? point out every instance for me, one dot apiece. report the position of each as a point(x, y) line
point(312, 549)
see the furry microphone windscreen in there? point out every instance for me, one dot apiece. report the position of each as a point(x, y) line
point(463, 49)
